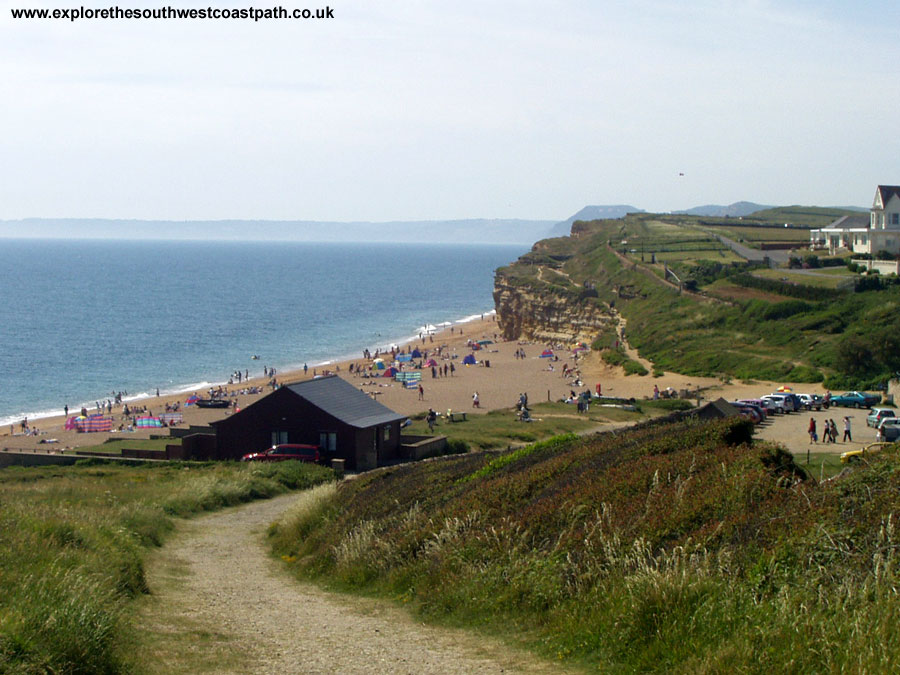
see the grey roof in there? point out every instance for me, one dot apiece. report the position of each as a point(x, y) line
point(720, 408)
point(850, 222)
point(342, 400)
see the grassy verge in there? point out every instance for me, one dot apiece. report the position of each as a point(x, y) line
point(500, 428)
point(72, 541)
point(669, 548)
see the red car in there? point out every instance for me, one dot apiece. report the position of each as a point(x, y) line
point(284, 452)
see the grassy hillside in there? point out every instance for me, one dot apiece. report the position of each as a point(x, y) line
point(72, 542)
point(743, 321)
point(668, 548)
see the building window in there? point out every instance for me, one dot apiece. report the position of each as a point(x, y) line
point(279, 437)
point(387, 432)
point(328, 441)
point(895, 219)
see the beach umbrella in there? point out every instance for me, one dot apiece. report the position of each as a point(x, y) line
point(390, 372)
point(192, 399)
point(430, 363)
point(785, 389)
point(416, 354)
point(547, 353)
point(469, 360)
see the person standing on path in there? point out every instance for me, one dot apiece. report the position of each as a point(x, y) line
point(812, 430)
point(421, 393)
point(475, 402)
point(847, 436)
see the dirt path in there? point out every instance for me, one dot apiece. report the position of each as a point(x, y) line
point(220, 604)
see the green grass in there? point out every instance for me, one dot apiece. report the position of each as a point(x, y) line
point(72, 543)
point(114, 446)
point(500, 428)
point(672, 547)
point(820, 278)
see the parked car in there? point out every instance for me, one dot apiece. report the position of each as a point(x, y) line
point(877, 414)
point(750, 412)
point(888, 429)
point(811, 401)
point(856, 455)
point(284, 452)
point(783, 402)
point(856, 399)
point(756, 404)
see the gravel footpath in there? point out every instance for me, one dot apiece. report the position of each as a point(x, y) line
point(219, 603)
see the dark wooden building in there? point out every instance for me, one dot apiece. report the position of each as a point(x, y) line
point(328, 412)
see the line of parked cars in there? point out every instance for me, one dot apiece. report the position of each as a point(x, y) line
point(758, 409)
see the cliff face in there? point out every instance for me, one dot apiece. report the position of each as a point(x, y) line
point(540, 313)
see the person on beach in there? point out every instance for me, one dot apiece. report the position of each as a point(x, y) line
point(66, 409)
point(475, 402)
point(812, 430)
point(847, 436)
point(421, 393)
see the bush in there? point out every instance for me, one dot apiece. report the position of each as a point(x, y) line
point(635, 368)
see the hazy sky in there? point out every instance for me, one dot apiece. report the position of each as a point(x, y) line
point(422, 109)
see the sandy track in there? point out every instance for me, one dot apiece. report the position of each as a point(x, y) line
point(220, 604)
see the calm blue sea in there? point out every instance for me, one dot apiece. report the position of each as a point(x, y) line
point(85, 318)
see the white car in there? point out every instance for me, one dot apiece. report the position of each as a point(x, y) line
point(812, 401)
point(783, 404)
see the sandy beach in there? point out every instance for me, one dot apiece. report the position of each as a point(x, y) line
point(498, 387)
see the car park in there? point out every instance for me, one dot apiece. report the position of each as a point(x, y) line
point(811, 401)
point(856, 399)
point(857, 455)
point(284, 452)
point(876, 415)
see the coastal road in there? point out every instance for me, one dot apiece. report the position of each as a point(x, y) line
point(220, 603)
point(776, 258)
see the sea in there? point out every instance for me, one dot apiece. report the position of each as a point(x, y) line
point(83, 319)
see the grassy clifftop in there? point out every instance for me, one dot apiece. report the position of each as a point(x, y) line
point(739, 319)
point(675, 547)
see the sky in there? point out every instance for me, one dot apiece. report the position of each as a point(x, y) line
point(431, 109)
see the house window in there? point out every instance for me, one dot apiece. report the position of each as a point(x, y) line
point(895, 219)
point(279, 437)
point(328, 441)
point(387, 432)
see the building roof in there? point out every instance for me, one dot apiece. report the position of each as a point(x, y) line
point(342, 400)
point(885, 192)
point(849, 222)
point(718, 408)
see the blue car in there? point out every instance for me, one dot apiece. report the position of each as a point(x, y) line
point(856, 399)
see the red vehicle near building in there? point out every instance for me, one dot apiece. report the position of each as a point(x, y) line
point(284, 452)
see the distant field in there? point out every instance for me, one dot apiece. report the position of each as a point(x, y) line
point(730, 291)
point(830, 278)
point(758, 234)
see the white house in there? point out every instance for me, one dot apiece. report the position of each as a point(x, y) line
point(879, 232)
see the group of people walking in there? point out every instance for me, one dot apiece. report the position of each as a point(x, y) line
point(830, 432)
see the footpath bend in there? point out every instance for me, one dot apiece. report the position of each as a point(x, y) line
point(219, 603)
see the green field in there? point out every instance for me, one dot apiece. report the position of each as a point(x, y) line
point(500, 428)
point(819, 278)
